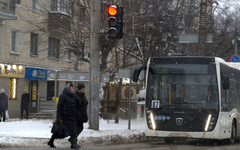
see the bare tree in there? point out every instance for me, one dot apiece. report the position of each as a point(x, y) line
point(65, 20)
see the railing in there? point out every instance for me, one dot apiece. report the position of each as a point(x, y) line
point(45, 108)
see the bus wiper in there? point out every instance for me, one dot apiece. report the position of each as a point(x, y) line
point(194, 104)
point(167, 106)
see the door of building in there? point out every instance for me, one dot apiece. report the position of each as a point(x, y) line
point(33, 95)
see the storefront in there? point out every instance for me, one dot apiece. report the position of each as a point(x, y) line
point(12, 80)
point(37, 87)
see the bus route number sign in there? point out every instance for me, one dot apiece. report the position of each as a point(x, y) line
point(155, 103)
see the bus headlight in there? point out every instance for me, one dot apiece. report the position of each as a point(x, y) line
point(152, 121)
point(208, 122)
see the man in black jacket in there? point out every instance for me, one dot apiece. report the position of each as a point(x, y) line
point(66, 113)
point(24, 103)
point(81, 107)
point(3, 104)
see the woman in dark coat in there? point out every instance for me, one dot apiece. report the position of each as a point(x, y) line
point(3, 104)
point(66, 114)
point(24, 103)
point(81, 108)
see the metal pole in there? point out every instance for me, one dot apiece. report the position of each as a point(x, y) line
point(55, 95)
point(95, 62)
point(90, 102)
point(236, 37)
point(129, 101)
point(202, 27)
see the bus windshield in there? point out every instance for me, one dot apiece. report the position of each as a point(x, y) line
point(182, 85)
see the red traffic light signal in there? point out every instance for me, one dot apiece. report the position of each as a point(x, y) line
point(112, 10)
point(115, 21)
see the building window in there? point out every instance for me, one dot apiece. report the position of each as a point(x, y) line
point(69, 54)
point(12, 88)
point(82, 13)
point(18, 3)
point(36, 5)
point(60, 6)
point(15, 41)
point(54, 48)
point(33, 47)
point(50, 90)
point(12, 7)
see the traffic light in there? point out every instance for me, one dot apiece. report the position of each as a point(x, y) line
point(115, 21)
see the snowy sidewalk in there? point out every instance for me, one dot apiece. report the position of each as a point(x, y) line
point(36, 133)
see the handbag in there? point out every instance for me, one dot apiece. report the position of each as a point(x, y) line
point(6, 115)
point(59, 129)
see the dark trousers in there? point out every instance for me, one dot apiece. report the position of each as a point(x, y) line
point(26, 111)
point(79, 127)
point(2, 115)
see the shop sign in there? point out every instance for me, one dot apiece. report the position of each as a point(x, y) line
point(68, 76)
point(13, 71)
point(34, 92)
point(36, 73)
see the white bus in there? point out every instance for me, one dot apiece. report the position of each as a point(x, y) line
point(191, 97)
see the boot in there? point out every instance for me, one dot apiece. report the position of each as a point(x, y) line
point(74, 144)
point(50, 143)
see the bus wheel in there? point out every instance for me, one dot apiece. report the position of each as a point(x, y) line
point(233, 134)
point(168, 140)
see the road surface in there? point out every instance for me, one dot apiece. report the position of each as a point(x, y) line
point(192, 145)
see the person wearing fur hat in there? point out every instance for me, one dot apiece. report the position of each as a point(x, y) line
point(24, 103)
point(66, 113)
point(3, 104)
point(81, 107)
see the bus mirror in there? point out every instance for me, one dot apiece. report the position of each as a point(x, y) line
point(225, 82)
point(137, 72)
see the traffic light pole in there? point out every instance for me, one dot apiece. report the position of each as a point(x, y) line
point(94, 64)
point(202, 27)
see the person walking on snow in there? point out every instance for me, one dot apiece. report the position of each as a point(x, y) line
point(81, 108)
point(3, 104)
point(66, 114)
point(24, 103)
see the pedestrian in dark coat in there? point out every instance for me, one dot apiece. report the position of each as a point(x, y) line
point(81, 107)
point(24, 103)
point(66, 114)
point(3, 104)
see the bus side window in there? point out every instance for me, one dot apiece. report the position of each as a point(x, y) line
point(224, 97)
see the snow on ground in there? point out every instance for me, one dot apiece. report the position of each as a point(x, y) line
point(35, 132)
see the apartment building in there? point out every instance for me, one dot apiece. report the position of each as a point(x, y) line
point(31, 46)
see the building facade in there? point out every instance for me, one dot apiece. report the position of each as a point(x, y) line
point(30, 48)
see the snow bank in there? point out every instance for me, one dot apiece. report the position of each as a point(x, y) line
point(36, 133)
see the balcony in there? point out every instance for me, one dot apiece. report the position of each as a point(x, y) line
point(58, 23)
point(7, 10)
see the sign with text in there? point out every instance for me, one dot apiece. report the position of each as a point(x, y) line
point(194, 38)
point(74, 76)
point(14, 71)
point(68, 76)
point(36, 73)
point(124, 73)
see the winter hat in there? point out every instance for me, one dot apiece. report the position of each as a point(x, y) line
point(2, 91)
point(68, 86)
point(80, 86)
